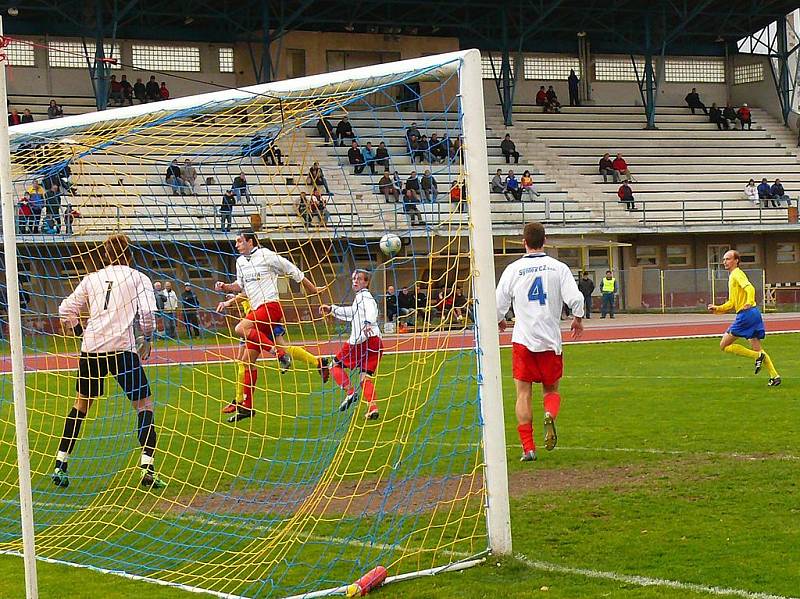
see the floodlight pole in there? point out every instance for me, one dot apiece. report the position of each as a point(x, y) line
point(498, 516)
point(17, 359)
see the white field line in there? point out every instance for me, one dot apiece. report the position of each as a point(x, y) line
point(646, 581)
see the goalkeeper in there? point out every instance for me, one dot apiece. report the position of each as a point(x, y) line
point(748, 323)
point(116, 296)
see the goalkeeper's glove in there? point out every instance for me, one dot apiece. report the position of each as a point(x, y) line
point(143, 347)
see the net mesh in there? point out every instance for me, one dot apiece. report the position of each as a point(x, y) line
point(301, 495)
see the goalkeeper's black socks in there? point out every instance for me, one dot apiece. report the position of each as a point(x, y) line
point(72, 428)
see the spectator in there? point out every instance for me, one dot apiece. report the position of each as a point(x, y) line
point(240, 189)
point(420, 302)
point(382, 156)
point(52, 207)
point(751, 191)
point(316, 178)
point(410, 207)
point(356, 158)
point(226, 210)
point(541, 99)
point(25, 215)
point(170, 310)
point(127, 90)
point(511, 188)
point(161, 300)
point(49, 226)
point(457, 197)
point(621, 167)
point(526, 184)
point(625, 194)
point(36, 194)
point(509, 150)
point(163, 92)
point(398, 184)
point(744, 117)
point(65, 178)
point(175, 180)
point(429, 186)
point(14, 118)
point(304, 208)
point(389, 191)
point(27, 117)
point(461, 305)
point(444, 303)
point(552, 99)
point(189, 175)
point(715, 116)
point(729, 114)
point(586, 287)
point(115, 91)
point(190, 306)
point(319, 207)
point(693, 101)
point(369, 157)
point(70, 216)
point(325, 129)
point(572, 84)
point(765, 192)
point(412, 133)
point(779, 194)
point(438, 149)
point(607, 168)
point(152, 90)
point(54, 111)
point(412, 185)
point(270, 152)
point(454, 147)
point(608, 287)
point(140, 91)
point(344, 129)
point(406, 304)
point(423, 149)
point(391, 304)
point(497, 185)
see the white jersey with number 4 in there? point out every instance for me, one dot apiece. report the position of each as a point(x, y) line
point(538, 286)
point(363, 316)
point(257, 274)
point(115, 296)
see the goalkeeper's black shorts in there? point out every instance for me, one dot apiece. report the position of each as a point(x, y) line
point(125, 366)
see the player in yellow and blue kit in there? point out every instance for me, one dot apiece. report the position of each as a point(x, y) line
point(748, 323)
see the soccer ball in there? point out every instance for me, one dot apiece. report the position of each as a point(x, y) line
point(390, 244)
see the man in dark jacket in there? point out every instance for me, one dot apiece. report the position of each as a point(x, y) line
point(625, 194)
point(765, 191)
point(406, 302)
point(693, 101)
point(715, 116)
point(779, 194)
point(325, 129)
point(152, 90)
point(226, 210)
point(140, 91)
point(572, 84)
point(356, 158)
point(391, 304)
point(344, 129)
point(509, 150)
point(586, 287)
point(190, 306)
point(52, 206)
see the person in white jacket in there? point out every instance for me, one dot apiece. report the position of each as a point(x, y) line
point(751, 191)
point(364, 348)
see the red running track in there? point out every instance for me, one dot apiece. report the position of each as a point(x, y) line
point(593, 333)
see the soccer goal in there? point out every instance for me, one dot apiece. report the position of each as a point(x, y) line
point(307, 492)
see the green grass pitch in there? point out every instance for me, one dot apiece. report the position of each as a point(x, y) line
point(674, 463)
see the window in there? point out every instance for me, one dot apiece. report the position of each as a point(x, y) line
point(20, 54)
point(548, 68)
point(295, 63)
point(226, 60)
point(598, 257)
point(166, 58)
point(497, 61)
point(618, 69)
point(72, 55)
point(646, 255)
point(787, 253)
point(199, 267)
point(748, 253)
point(748, 73)
point(570, 256)
point(677, 255)
point(695, 70)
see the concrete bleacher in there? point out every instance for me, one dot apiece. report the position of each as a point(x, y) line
point(38, 104)
point(686, 171)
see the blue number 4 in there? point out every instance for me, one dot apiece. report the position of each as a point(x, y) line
point(536, 293)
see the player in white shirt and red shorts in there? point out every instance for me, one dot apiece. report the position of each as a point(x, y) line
point(538, 286)
point(364, 347)
point(118, 298)
point(263, 329)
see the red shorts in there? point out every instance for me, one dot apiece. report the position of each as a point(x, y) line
point(544, 367)
point(364, 356)
point(269, 320)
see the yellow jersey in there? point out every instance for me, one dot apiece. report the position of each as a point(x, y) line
point(740, 293)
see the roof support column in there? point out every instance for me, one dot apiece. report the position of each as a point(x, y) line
point(265, 72)
point(101, 68)
point(507, 78)
point(782, 80)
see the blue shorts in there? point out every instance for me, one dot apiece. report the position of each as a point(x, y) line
point(748, 325)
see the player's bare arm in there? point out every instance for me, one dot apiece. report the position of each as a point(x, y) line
point(576, 327)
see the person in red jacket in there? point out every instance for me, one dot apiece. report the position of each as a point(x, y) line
point(14, 118)
point(625, 194)
point(163, 91)
point(621, 167)
point(744, 117)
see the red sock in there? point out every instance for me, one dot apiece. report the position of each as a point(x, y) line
point(258, 340)
point(250, 378)
point(552, 403)
point(526, 436)
point(341, 378)
point(368, 389)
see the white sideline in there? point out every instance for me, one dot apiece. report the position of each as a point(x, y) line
point(646, 581)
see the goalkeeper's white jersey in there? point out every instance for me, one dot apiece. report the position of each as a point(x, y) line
point(115, 296)
point(538, 286)
point(258, 273)
point(362, 316)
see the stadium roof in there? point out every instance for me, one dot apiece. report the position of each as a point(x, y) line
point(626, 26)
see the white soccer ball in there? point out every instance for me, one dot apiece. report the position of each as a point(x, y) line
point(391, 244)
